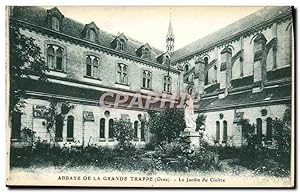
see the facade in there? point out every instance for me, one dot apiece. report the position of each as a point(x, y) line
point(240, 71)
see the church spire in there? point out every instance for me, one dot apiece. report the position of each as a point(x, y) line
point(170, 38)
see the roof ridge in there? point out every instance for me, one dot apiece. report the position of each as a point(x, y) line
point(198, 44)
point(134, 42)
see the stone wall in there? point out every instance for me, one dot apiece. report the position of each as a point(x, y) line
point(84, 131)
point(245, 67)
point(75, 65)
point(234, 130)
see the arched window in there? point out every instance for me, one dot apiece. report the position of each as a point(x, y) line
point(102, 128)
point(189, 89)
point(225, 131)
point(122, 45)
point(92, 35)
point(269, 129)
point(16, 125)
point(55, 23)
point(186, 68)
point(206, 61)
point(59, 128)
point(110, 128)
point(122, 74)
point(55, 56)
point(135, 125)
point(95, 67)
point(147, 76)
point(167, 84)
point(217, 131)
point(70, 128)
point(50, 57)
point(59, 53)
point(92, 66)
point(259, 68)
point(88, 66)
point(259, 128)
point(143, 131)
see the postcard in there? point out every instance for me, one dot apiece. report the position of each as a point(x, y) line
point(150, 96)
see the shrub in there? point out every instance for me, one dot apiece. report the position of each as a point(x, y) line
point(166, 125)
point(200, 121)
point(178, 155)
point(272, 159)
point(124, 133)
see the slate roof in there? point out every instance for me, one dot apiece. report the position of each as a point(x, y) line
point(244, 98)
point(37, 16)
point(249, 21)
point(87, 94)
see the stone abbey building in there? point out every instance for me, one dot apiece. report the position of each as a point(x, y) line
point(243, 71)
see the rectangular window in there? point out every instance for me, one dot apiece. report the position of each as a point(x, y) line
point(122, 74)
point(147, 76)
point(88, 70)
point(50, 61)
point(167, 84)
point(58, 63)
point(95, 72)
point(144, 82)
point(92, 66)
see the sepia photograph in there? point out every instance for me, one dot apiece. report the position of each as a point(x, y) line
point(150, 96)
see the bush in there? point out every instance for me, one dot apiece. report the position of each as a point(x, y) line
point(124, 133)
point(271, 159)
point(178, 156)
point(166, 125)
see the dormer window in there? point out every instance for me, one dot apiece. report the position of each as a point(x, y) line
point(55, 24)
point(92, 35)
point(122, 45)
point(54, 19)
point(146, 53)
point(90, 32)
point(119, 42)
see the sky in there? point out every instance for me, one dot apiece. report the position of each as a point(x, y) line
point(150, 24)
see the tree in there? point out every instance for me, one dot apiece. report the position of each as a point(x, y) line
point(123, 132)
point(53, 113)
point(25, 59)
point(200, 121)
point(167, 124)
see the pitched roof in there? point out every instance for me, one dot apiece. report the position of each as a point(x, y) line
point(268, 94)
point(249, 21)
point(37, 16)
